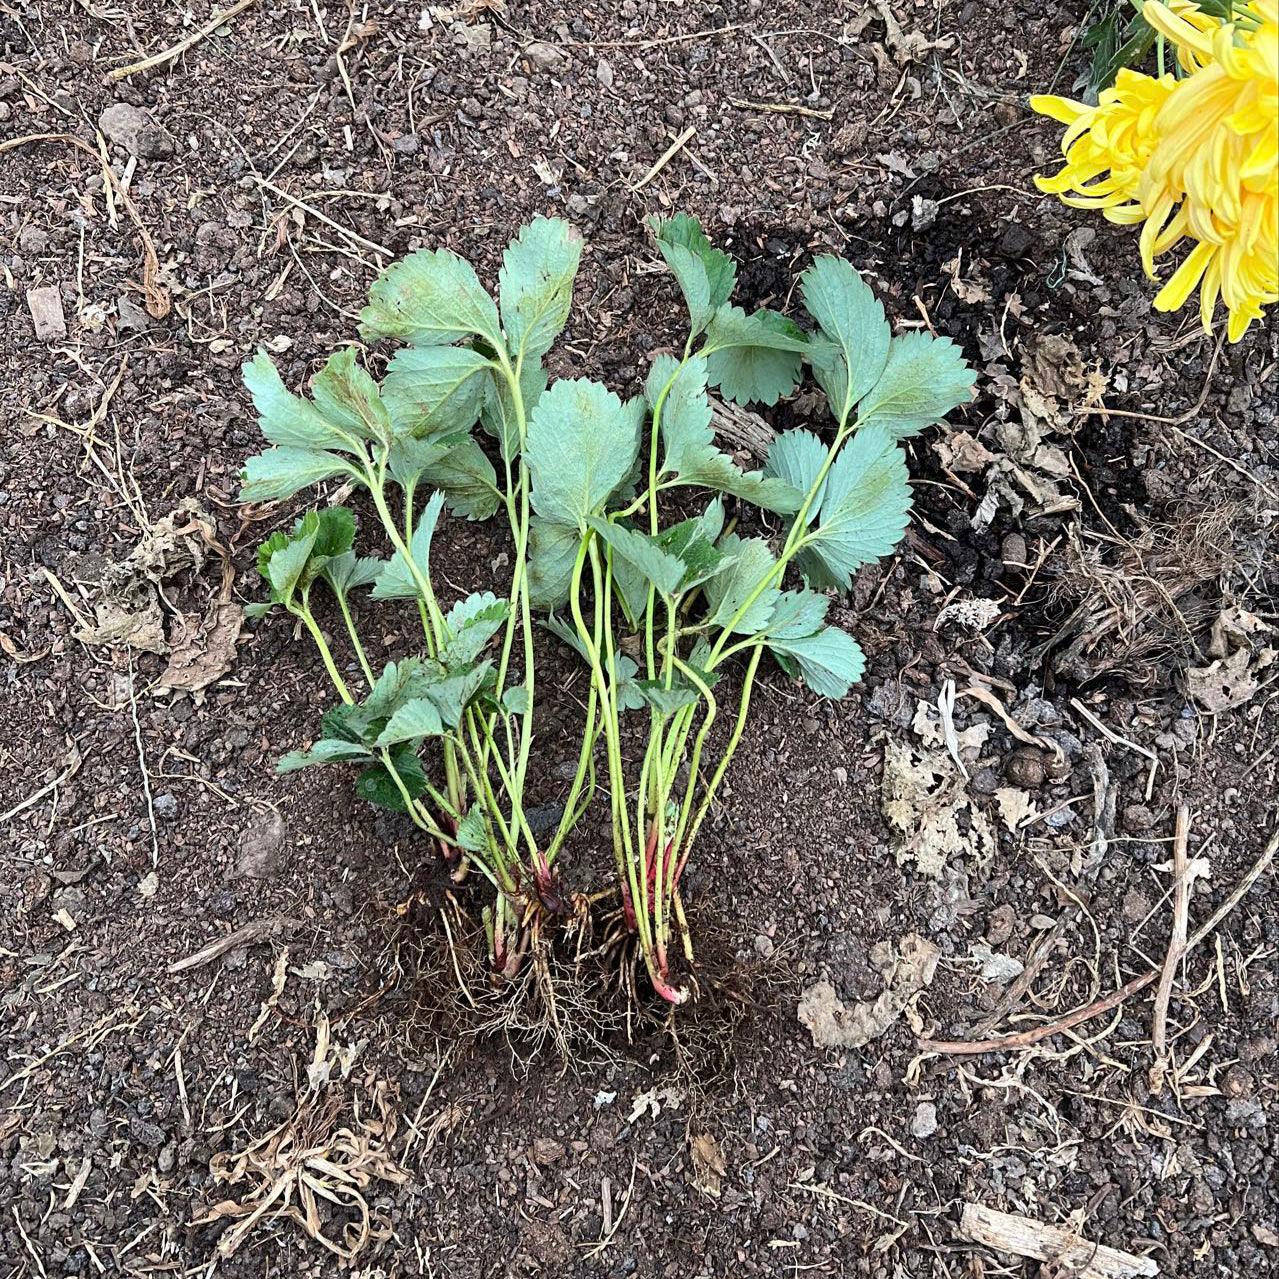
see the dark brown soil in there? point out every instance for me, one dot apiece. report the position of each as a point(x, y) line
point(124, 1086)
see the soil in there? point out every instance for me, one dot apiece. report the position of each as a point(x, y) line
point(141, 825)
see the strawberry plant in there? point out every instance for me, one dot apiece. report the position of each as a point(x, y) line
point(579, 473)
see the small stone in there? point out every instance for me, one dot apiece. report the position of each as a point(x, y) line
point(1025, 767)
point(166, 807)
point(406, 144)
point(923, 213)
point(1016, 241)
point(261, 847)
point(33, 240)
point(985, 781)
point(763, 945)
point(543, 57)
point(134, 129)
point(46, 313)
point(1002, 920)
point(1237, 1082)
point(146, 1133)
point(604, 73)
point(1013, 551)
point(923, 1122)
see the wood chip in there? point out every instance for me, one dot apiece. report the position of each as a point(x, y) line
point(1068, 1252)
point(46, 313)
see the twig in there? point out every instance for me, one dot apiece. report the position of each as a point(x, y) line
point(157, 298)
point(667, 157)
point(248, 935)
point(73, 763)
point(782, 108)
point(322, 217)
point(1025, 1038)
point(175, 51)
point(1063, 1251)
point(1119, 740)
point(1176, 948)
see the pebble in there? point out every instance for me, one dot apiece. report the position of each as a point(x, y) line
point(134, 129)
point(763, 945)
point(261, 847)
point(604, 73)
point(924, 1121)
point(166, 807)
point(543, 57)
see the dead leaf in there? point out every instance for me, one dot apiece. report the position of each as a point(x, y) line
point(1231, 681)
point(1015, 806)
point(205, 653)
point(907, 969)
point(907, 46)
point(963, 453)
point(709, 1169)
point(995, 967)
point(1263, 1234)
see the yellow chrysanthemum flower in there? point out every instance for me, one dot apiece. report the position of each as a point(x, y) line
point(1214, 174)
point(1194, 158)
point(1106, 147)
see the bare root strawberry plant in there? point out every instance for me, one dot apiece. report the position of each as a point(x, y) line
point(578, 474)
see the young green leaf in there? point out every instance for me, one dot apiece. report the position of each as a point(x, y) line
point(535, 286)
point(287, 419)
point(282, 561)
point(398, 682)
point(468, 480)
point(451, 691)
point(852, 319)
point(471, 623)
point(281, 472)
point(829, 661)
point(864, 510)
point(325, 751)
point(345, 393)
point(376, 784)
point(396, 580)
point(666, 701)
point(417, 718)
point(515, 700)
point(924, 378)
point(430, 299)
point(472, 830)
point(753, 358)
point(748, 562)
point(705, 275)
point(408, 460)
point(435, 390)
point(348, 572)
point(642, 551)
point(582, 443)
point(552, 553)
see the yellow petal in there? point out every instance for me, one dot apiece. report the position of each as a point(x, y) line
point(1174, 294)
point(1178, 30)
point(1063, 110)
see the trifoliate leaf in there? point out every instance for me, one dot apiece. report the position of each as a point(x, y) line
point(864, 511)
point(325, 751)
point(287, 419)
point(468, 480)
point(582, 443)
point(472, 830)
point(334, 530)
point(515, 701)
point(665, 571)
point(435, 390)
point(535, 286)
point(377, 785)
point(344, 392)
point(471, 623)
point(452, 691)
point(499, 416)
point(282, 561)
point(748, 562)
point(705, 275)
point(753, 358)
point(796, 457)
point(552, 553)
point(829, 662)
point(397, 580)
point(348, 572)
point(925, 377)
point(430, 299)
point(281, 472)
point(417, 718)
point(408, 460)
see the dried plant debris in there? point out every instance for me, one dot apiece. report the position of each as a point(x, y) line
point(315, 1169)
point(1243, 665)
point(925, 799)
point(128, 609)
point(906, 968)
point(709, 1168)
point(1137, 605)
